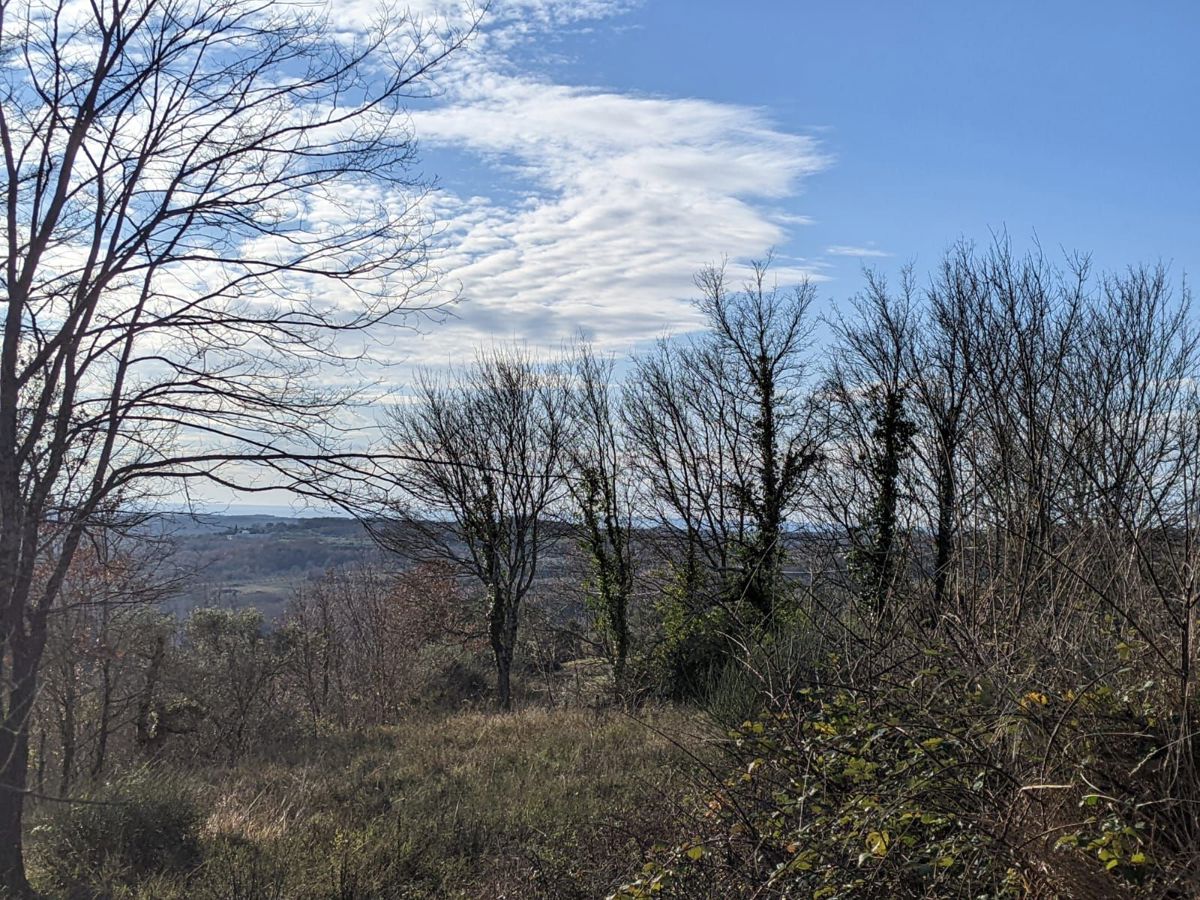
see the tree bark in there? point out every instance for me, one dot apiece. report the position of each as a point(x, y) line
point(502, 631)
point(105, 720)
point(944, 535)
point(503, 679)
point(14, 760)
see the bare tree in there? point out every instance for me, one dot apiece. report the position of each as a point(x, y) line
point(1029, 340)
point(941, 374)
point(723, 430)
point(676, 416)
point(873, 431)
point(761, 335)
point(602, 488)
point(486, 451)
point(357, 637)
point(204, 202)
point(104, 615)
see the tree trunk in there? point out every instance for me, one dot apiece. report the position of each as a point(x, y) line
point(620, 651)
point(12, 861)
point(106, 692)
point(67, 733)
point(944, 536)
point(502, 630)
point(105, 720)
point(764, 575)
point(14, 764)
point(503, 678)
point(148, 735)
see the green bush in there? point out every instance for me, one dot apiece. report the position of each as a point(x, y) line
point(694, 648)
point(833, 799)
point(144, 823)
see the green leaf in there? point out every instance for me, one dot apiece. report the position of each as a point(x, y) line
point(877, 843)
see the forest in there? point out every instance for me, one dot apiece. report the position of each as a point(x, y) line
point(894, 596)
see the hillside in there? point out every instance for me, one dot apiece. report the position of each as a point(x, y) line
point(256, 560)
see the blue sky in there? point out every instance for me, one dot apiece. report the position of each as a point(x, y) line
point(1075, 119)
point(591, 155)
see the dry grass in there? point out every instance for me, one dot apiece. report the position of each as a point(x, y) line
point(537, 803)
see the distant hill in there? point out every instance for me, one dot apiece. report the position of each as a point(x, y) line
point(256, 560)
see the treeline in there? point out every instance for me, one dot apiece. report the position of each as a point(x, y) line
point(1005, 397)
point(938, 568)
point(931, 563)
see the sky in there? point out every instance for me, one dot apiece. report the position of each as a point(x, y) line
point(591, 156)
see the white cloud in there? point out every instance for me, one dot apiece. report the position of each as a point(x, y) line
point(600, 206)
point(619, 197)
point(865, 252)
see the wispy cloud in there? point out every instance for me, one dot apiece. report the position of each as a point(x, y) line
point(606, 203)
point(864, 252)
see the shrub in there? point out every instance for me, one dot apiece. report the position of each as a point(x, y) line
point(833, 799)
point(694, 648)
point(931, 782)
point(143, 823)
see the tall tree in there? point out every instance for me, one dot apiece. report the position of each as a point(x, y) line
point(484, 455)
point(602, 490)
point(723, 430)
point(869, 387)
point(941, 374)
point(761, 335)
point(200, 197)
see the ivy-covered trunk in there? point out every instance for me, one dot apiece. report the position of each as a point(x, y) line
point(764, 571)
point(874, 561)
point(606, 541)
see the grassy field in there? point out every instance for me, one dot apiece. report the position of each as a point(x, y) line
point(538, 803)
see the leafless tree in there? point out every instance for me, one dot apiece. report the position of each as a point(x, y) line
point(602, 488)
point(941, 375)
point(1029, 337)
point(675, 418)
point(98, 631)
point(204, 202)
point(724, 431)
point(486, 451)
point(357, 637)
point(871, 435)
